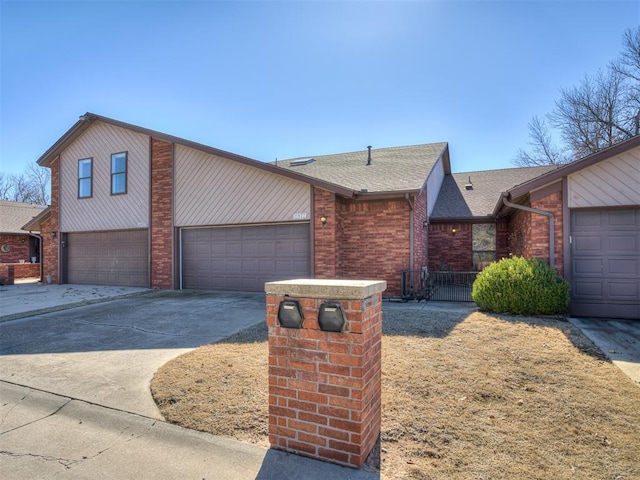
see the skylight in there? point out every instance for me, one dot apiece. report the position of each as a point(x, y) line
point(302, 161)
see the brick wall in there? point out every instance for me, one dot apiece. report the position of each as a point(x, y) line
point(448, 251)
point(420, 232)
point(161, 228)
point(325, 387)
point(364, 239)
point(540, 229)
point(375, 241)
point(529, 233)
point(18, 248)
point(325, 240)
point(50, 251)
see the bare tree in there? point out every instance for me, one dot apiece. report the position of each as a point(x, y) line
point(601, 111)
point(542, 149)
point(39, 180)
point(32, 186)
point(5, 187)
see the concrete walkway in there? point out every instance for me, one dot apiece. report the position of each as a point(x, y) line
point(619, 340)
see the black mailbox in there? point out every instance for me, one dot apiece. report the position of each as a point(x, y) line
point(331, 317)
point(290, 314)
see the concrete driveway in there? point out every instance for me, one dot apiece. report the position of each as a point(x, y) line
point(107, 353)
point(74, 387)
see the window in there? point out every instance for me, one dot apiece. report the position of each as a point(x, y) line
point(85, 178)
point(483, 244)
point(119, 173)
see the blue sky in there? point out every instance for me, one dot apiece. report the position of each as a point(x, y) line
point(287, 79)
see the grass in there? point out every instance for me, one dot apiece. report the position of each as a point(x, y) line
point(464, 396)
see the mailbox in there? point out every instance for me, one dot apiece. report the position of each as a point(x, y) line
point(331, 317)
point(290, 314)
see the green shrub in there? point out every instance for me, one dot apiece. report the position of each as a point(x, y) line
point(520, 286)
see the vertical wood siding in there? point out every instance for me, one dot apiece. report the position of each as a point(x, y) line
point(211, 190)
point(434, 182)
point(105, 211)
point(613, 182)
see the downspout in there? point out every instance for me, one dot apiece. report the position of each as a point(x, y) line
point(408, 199)
point(549, 215)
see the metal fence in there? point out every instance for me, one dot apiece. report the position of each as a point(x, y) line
point(437, 286)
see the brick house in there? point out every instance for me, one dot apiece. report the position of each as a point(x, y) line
point(132, 206)
point(19, 250)
point(593, 205)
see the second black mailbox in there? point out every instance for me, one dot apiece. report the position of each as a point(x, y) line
point(331, 317)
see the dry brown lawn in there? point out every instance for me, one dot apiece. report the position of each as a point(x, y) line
point(464, 396)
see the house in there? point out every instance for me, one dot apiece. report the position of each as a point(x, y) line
point(584, 218)
point(132, 206)
point(19, 250)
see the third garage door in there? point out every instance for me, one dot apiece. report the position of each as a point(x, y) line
point(244, 258)
point(605, 263)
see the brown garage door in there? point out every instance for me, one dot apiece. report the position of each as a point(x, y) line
point(605, 263)
point(244, 258)
point(108, 258)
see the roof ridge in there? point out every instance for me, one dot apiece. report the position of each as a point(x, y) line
point(505, 169)
point(373, 149)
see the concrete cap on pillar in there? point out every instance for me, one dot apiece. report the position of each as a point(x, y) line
point(319, 288)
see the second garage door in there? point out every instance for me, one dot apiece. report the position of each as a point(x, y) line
point(244, 258)
point(108, 258)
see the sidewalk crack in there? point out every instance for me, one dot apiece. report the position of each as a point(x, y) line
point(37, 419)
point(65, 462)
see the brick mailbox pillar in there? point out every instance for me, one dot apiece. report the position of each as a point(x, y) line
point(325, 386)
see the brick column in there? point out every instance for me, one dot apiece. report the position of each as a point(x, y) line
point(161, 228)
point(325, 387)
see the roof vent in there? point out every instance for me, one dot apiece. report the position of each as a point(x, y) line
point(468, 185)
point(369, 157)
point(302, 161)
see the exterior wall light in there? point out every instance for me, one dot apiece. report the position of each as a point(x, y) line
point(453, 231)
point(323, 220)
point(53, 234)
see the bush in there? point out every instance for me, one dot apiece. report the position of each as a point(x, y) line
point(520, 286)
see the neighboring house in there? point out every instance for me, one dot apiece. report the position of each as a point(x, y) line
point(131, 206)
point(17, 246)
point(594, 204)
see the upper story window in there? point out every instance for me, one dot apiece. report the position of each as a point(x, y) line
point(85, 178)
point(484, 244)
point(119, 173)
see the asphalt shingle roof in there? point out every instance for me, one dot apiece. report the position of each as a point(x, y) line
point(455, 201)
point(13, 215)
point(394, 169)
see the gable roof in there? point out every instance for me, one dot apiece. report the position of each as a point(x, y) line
point(456, 202)
point(569, 168)
point(89, 118)
point(392, 170)
point(13, 215)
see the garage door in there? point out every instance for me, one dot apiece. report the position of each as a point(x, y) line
point(108, 258)
point(244, 258)
point(605, 263)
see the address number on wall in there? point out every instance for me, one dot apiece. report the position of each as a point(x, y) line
point(300, 216)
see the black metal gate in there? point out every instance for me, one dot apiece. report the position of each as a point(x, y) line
point(437, 286)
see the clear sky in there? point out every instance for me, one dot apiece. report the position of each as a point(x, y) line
point(278, 79)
